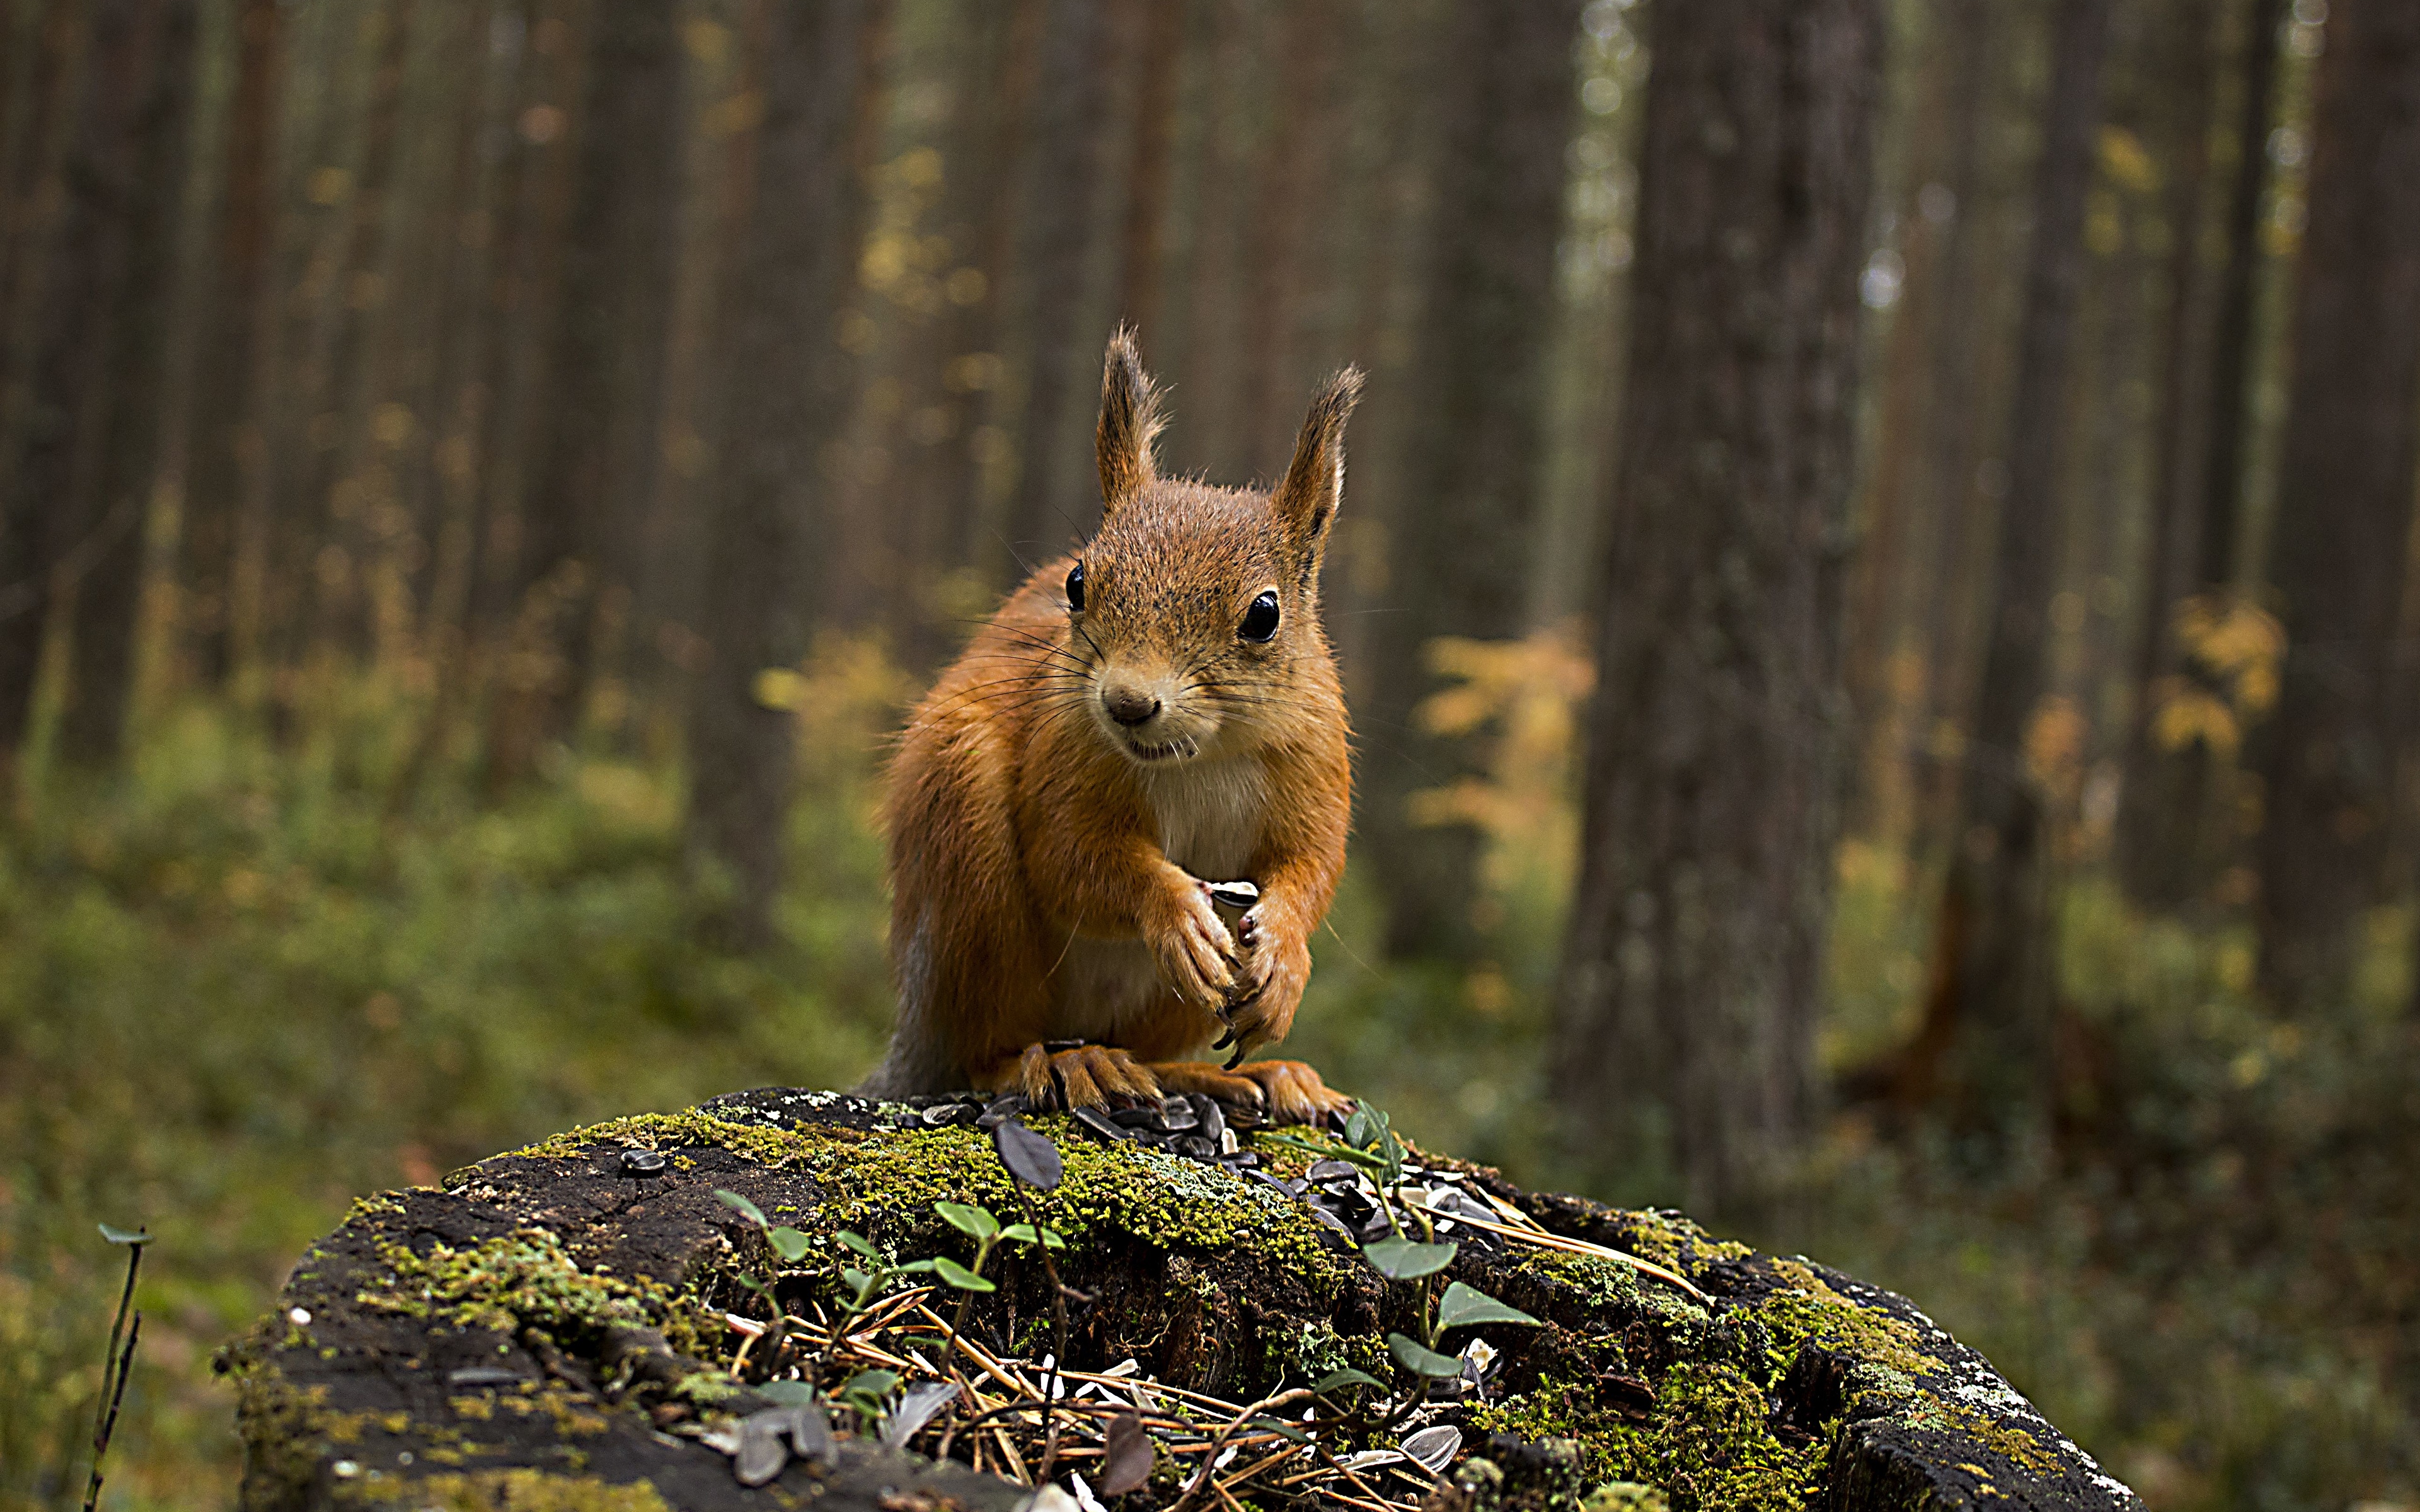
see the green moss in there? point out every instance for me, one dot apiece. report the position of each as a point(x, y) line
point(1806, 1309)
point(687, 1130)
point(1601, 1283)
point(524, 1279)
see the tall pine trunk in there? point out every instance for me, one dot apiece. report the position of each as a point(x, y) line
point(794, 264)
point(225, 456)
point(41, 527)
point(2344, 511)
point(1993, 981)
point(1050, 508)
point(1462, 543)
point(133, 414)
point(2171, 833)
point(595, 456)
point(1719, 735)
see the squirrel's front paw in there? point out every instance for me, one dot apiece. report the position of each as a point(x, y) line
point(1270, 985)
point(1193, 949)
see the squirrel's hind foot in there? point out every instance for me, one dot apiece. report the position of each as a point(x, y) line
point(1087, 1076)
point(1287, 1091)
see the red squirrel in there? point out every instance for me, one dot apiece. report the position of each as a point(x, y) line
point(1154, 714)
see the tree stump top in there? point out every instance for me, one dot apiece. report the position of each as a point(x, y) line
point(550, 1330)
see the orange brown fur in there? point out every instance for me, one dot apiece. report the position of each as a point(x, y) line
point(1050, 838)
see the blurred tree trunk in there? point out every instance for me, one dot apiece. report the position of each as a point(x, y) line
point(2171, 835)
point(1960, 384)
point(481, 219)
point(973, 369)
point(596, 450)
point(1292, 197)
point(1992, 981)
point(335, 611)
point(2344, 511)
point(1460, 557)
point(33, 148)
point(278, 539)
point(1719, 735)
point(1142, 242)
point(225, 467)
point(67, 347)
point(793, 266)
point(114, 509)
point(934, 531)
point(1209, 355)
point(1874, 640)
point(1050, 507)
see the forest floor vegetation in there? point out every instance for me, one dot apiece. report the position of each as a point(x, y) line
point(251, 979)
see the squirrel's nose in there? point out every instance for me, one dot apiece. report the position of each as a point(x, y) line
point(1129, 706)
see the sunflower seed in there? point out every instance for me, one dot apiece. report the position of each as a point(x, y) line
point(1432, 1449)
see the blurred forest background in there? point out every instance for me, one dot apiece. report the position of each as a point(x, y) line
point(1875, 584)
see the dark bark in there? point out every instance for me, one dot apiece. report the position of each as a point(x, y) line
point(66, 350)
point(2163, 852)
point(971, 373)
point(595, 456)
point(1142, 242)
point(33, 144)
point(1050, 508)
point(2344, 511)
point(134, 408)
point(1684, 1016)
point(1999, 983)
point(224, 464)
point(1460, 556)
point(795, 262)
point(1966, 383)
point(1291, 197)
point(340, 616)
point(2229, 433)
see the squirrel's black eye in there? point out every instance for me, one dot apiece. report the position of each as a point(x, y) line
point(1075, 587)
point(1260, 620)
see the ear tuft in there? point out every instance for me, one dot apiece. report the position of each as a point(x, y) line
point(1130, 422)
point(1313, 489)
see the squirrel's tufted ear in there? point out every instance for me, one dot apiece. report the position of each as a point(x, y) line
point(1130, 420)
point(1307, 500)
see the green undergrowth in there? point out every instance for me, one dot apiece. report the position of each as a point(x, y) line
point(253, 977)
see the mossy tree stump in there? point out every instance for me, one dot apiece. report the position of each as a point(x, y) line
point(523, 1338)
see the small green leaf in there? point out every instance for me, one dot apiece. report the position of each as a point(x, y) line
point(1420, 1359)
point(1023, 1234)
point(788, 1242)
point(874, 1385)
point(973, 1222)
point(1360, 1130)
point(960, 1277)
point(857, 1281)
point(124, 1236)
point(1462, 1305)
point(1328, 1385)
point(859, 1243)
point(916, 1267)
point(787, 1393)
point(1283, 1430)
point(741, 1206)
point(1408, 1259)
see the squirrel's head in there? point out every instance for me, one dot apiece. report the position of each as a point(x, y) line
point(1196, 608)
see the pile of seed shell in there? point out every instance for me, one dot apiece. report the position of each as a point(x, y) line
point(1193, 1126)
